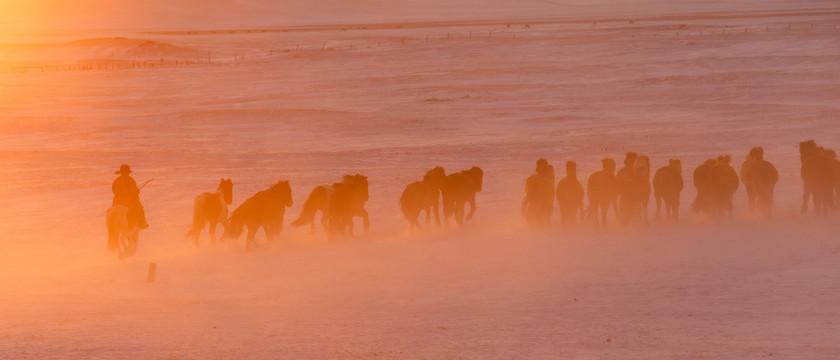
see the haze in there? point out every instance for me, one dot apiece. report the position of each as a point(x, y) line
point(260, 92)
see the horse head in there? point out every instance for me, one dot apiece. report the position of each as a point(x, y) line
point(226, 187)
point(477, 175)
point(546, 171)
point(642, 166)
point(361, 184)
point(608, 164)
point(284, 191)
point(571, 169)
point(807, 149)
point(630, 158)
point(756, 153)
point(675, 164)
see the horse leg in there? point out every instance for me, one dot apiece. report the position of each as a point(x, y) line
point(428, 214)
point(249, 239)
point(659, 206)
point(582, 213)
point(448, 206)
point(806, 193)
point(212, 231)
point(269, 232)
point(472, 208)
point(604, 210)
point(437, 214)
point(365, 220)
point(325, 222)
point(459, 213)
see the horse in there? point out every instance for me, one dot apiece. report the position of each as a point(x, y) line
point(348, 201)
point(423, 195)
point(703, 201)
point(716, 182)
point(628, 190)
point(212, 209)
point(602, 190)
point(570, 195)
point(538, 204)
point(320, 199)
point(122, 237)
point(265, 209)
point(755, 155)
point(642, 169)
point(762, 178)
point(819, 176)
point(667, 185)
point(458, 189)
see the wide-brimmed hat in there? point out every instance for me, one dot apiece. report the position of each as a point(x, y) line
point(124, 169)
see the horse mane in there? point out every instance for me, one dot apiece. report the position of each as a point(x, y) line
point(675, 164)
point(630, 158)
point(226, 187)
point(435, 176)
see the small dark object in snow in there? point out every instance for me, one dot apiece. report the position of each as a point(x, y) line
point(152, 272)
point(609, 340)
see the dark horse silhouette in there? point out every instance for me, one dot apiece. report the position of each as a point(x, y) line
point(423, 195)
point(570, 195)
point(350, 202)
point(265, 209)
point(346, 202)
point(716, 182)
point(633, 189)
point(759, 178)
point(667, 185)
point(459, 189)
point(212, 209)
point(819, 176)
point(602, 191)
point(538, 204)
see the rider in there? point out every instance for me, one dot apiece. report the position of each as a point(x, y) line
point(127, 193)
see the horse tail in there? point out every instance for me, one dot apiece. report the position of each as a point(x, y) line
point(197, 223)
point(317, 200)
point(404, 203)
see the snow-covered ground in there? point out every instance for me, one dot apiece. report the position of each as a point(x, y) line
point(311, 104)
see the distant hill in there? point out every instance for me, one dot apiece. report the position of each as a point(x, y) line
point(22, 17)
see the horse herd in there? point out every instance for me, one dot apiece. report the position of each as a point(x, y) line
point(627, 191)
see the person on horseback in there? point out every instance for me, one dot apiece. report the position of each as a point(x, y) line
point(127, 193)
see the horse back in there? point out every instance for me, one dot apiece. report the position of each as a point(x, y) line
point(209, 206)
point(458, 187)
